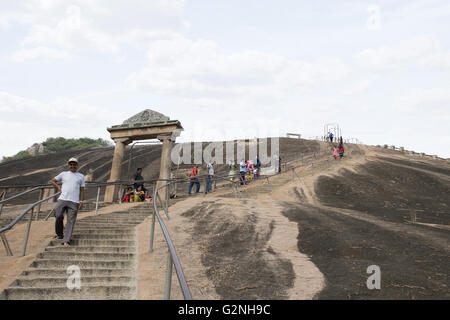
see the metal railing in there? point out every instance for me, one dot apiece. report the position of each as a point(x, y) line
point(16, 220)
point(172, 258)
point(14, 196)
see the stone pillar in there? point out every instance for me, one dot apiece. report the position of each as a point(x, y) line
point(164, 171)
point(111, 191)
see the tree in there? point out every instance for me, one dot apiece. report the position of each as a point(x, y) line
point(52, 145)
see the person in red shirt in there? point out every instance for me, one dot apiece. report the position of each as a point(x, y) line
point(194, 180)
point(341, 152)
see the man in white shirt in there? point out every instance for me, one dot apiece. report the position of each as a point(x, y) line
point(70, 200)
point(210, 177)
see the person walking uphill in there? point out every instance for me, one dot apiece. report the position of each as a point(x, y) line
point(210, 177)
point(335, 153)
point(70, 200)
point(194, 180)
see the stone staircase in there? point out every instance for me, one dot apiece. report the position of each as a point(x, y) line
point(104, 247)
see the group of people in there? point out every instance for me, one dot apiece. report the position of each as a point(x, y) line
point(329, 137)
point(249, 170)
point(339, 149)
point(194, 179)
point(138, 192)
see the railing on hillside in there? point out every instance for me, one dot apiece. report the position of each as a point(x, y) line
point(16, 220)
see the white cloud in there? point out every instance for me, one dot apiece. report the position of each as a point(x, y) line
point(38, 120)
point(196, 68)
point(66, 30)
point(41, 53)
point(424, 51)
point(421, 102)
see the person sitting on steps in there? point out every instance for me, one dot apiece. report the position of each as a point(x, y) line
point(129, 193)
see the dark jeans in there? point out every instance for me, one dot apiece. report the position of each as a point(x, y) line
point(242, 177)
point(209, 184)
point(72, 209)
point(191, 184)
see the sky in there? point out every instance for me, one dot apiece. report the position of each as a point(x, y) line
point(227, 69)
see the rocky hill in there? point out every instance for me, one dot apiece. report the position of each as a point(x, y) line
point(308, 233)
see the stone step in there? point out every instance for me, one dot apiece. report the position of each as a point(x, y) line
point(60, 263)
point(95, 242)
point(100, 292)
point(112, 229)
point(93, 249)
point(62, 272)
point(101, 225)
point(106, 236)
point(75, 255)
point(113, 220)
point(103, 231)
point(84, 280)
point(115, 214)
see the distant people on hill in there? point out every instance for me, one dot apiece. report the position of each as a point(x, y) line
point(70, 200)
point(257, 167)
point(341, 142)
point(210, 177)
point(242, 171)
point(194, 180)
point(250, 168)
point(331, 137)
point(341, 152)
point(335, 153)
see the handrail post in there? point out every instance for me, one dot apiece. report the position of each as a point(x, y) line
point(3, 198)
point(96, 202)
point(168, 277)
point(6, 245)
point(27, 234)
point(167, 198)
point(152, 230)
point(41, 196)
point(120, 192)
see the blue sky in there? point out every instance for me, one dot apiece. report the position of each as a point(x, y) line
point(227, 69)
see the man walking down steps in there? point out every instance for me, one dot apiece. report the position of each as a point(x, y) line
point(70, 200)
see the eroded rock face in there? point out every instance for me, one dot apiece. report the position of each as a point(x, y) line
point(236, 255)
